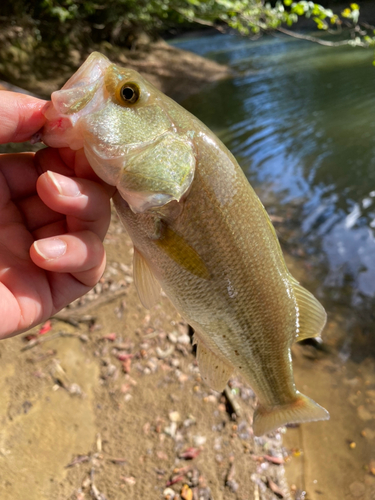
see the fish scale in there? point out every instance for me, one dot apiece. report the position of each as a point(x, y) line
point(199, 232)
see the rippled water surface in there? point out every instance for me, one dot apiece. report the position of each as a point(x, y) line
point(300, 119)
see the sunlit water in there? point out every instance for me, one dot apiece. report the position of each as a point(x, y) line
point(300, 119)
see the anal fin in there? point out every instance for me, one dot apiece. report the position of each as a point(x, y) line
point(312, 316)
point(147, 286)
point(213, 370)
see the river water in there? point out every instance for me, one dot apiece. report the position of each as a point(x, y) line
point(299, 118)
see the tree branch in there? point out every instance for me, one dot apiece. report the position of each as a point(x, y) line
point(312, 38)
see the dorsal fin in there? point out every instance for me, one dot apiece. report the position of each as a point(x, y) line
point(312, 316)
point(147, 286)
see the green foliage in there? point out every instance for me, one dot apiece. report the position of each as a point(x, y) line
point(61, 23)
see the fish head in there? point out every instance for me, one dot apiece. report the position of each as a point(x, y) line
point(124, 125)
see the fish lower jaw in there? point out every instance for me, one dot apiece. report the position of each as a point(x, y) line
point(61, 134)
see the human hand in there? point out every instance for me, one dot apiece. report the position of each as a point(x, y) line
point(54, 214)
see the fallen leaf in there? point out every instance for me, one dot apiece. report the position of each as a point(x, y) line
point(186, 493)
point(45, 328)
point(189, 453)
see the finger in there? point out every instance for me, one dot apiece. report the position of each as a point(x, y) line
point(20, 174)
point(85, 203)
point(50, 230)
point(36, 214)
point(21, 116)
point(50, 159)
point(82, 167)
point(80, 254)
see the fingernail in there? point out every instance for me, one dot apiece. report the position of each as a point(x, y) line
point(51, 248)
point(64, 185)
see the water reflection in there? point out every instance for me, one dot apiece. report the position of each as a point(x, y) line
point(299, 118)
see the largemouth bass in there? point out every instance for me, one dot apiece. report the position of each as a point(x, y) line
point(199, 231)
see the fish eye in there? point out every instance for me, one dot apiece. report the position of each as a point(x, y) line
point(129, 93)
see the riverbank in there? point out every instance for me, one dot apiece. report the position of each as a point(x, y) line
point(177, 73)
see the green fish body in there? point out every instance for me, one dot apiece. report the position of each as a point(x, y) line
point(199, 231)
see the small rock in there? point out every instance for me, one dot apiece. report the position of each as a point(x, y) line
point(152, 364)
point(184, 339)
point(111, 370)
point(357, 489)
point(129, 480)
point(171, 429)
point(169, 494)
point(172, 337)
point(199, 440)
point(189, 421)
point(210, 399)
point(372, 467)
point(75, 389)
point(174, 416)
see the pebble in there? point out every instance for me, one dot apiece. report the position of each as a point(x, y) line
point(172, 337)
point(190, 421)
point(199, 440)
point(171, 429)
point(183, 339)
point(210, 399)
point(357, 489)
point(174, 416)
point(75, 389)
point(169, 494)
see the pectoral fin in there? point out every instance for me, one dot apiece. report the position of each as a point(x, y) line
point(181, 252)
point(147, 286)
point(312, 316)
point(156, 176)
point(213, 370)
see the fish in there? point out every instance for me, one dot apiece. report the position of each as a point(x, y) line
point(200, 233)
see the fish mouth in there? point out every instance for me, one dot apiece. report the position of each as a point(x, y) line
point(83, 93)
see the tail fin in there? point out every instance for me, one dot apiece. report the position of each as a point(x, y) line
point(303, 409)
